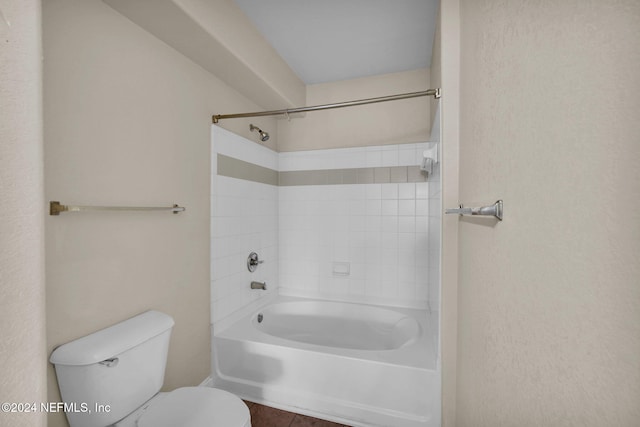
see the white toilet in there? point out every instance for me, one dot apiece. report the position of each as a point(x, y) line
point(113, 378)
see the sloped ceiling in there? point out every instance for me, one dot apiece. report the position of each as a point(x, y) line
point(331, 40)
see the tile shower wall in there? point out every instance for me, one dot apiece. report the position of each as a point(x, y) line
point(244, 219)
point(366, 242)
point(435, 218)
point(364, 237)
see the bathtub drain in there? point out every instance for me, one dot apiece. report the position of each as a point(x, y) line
point(260, 317)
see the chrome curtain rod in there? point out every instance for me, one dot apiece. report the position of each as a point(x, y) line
point(431, 92)
point(55, 208)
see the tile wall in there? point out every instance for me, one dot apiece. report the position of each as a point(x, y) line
point(244, 219)
point(435, 236)
point(435, 217)
point(365, 242)
point(370, 240)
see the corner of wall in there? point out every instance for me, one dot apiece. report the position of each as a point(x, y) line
point(449, 42)
point(22, 305)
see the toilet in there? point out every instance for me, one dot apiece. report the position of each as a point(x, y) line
point(113, 378)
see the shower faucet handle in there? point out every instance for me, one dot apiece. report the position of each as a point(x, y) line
point(253, 261)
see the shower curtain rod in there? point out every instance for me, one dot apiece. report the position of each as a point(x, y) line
point(431, 92)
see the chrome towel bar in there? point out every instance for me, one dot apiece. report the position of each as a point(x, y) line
point(55, 208)
point(495, 210)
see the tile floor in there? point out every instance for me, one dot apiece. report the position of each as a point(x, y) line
point(265, 416)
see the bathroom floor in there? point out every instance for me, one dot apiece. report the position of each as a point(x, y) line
point(265, 416)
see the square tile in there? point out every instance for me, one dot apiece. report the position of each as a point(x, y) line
point(422, 190)
point(373, 191)
point(389, 207)
point(364, 175)
point(407, 156)
point(415, 174)
point(407, 191)
point(382, 175)
point(389, 191)
point(406, 207)
point(398, 174)
point(349, 176)
point(390, 156)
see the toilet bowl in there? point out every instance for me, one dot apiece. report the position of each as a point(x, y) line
point(117, 374)
point(190, 407)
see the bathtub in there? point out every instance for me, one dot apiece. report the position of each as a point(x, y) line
point(354, 364)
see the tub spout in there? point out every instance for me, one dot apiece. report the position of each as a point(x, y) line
point(259, 285)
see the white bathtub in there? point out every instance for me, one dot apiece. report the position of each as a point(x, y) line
point(359, 365)
point(339, 325)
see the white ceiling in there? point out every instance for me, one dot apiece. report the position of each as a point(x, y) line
point(331, 40)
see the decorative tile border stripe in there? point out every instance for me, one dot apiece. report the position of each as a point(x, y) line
point(234, 168)
point(384, 175)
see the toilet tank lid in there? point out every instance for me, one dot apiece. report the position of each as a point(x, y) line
point(113, 340)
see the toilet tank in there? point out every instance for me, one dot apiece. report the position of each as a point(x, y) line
point(106, 375)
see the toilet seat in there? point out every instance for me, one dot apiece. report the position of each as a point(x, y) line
point(197, 407)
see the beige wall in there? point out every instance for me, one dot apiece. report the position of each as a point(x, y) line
point(22, 322)
point(217, 35)
point(446, 70)
point(549, 299)
point(127, 122)
point(393, 122)
point(232, 28)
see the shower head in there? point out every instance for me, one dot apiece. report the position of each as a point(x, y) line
point(264, 136)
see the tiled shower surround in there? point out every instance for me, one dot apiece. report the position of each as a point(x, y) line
point(244, 219)
point(365, 242)
point(355, 224)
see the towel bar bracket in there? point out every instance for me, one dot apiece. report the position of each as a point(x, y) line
point(495, 210)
